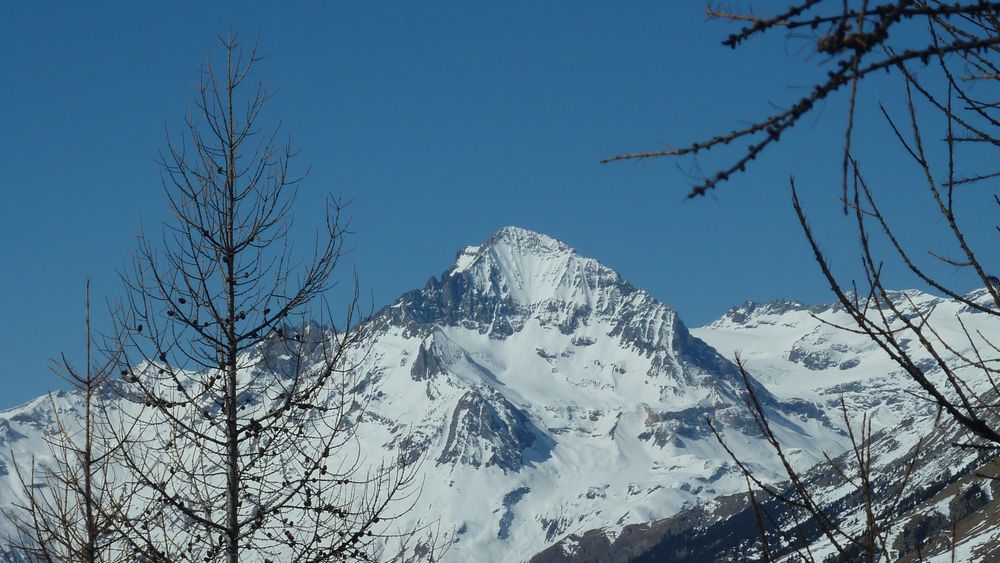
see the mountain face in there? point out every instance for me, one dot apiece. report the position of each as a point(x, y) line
point(546, 397)
point(796, 350)
point(551, 395)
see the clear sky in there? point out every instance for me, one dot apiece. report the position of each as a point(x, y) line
point(442, 120)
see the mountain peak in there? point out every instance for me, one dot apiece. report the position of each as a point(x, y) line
point(510, 241)
point(526, 238)
point(530, 268)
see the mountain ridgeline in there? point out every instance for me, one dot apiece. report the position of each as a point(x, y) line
point(558, 412)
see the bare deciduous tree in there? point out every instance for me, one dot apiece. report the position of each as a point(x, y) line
point(806, 515)
point(243, 417)
point(74, 502)
point(856, 39)
point(947, 58)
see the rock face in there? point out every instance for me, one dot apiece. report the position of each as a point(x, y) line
point(546, 396)
point(487, 431)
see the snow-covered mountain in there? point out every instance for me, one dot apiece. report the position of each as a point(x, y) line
point(797, 350)
point(547, 396)
point(552, 396)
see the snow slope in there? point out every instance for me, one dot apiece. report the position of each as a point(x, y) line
point(802, 351)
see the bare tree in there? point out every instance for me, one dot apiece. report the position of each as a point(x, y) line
point(807, 516)
point(948, 82)
point(73, 500)
point(963, 46)
point(856, 39)
point(242, 415)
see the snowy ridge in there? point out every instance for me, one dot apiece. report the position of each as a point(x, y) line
point(797, 351)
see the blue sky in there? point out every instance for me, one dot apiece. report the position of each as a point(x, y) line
point(443, 121)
